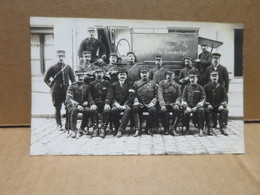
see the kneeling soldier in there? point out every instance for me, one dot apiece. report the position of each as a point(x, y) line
point(193, 98)
point(146, 92)
point(98, 103)
point(122, 95)
point(216, 103)
point(76, 102)
point(169, 93)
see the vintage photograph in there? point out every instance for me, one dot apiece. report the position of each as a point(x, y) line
point(136, 87)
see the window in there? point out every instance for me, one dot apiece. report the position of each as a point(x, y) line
point(42, 49)
point(238, 69)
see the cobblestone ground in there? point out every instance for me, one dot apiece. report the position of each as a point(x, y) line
point(47, 140)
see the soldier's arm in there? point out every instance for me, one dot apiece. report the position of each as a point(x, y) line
point(71, 75)
point(178, 99)
point(155, 88)
point(160, 94)
point(202, 97)
point(184, 96)
point(206, 94)
point(70, 96)
point(226, 79)
point(89, 94)
point(206, 61)
point(224, 96)
point(110, 94)
point(131, 95)
point(48, 75)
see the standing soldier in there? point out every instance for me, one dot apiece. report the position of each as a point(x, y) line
point(122, 95)
point(112, 68)
point(158, 72)
point(146, 91)
point(99, 105)
point(76, 102)
point(91, 44)
point(193, 98)
point(169, 95)
point(61, 74)
point(222, 71)
point(216, 103)
point(132, 67)
point(204, 61)
point(184, 73)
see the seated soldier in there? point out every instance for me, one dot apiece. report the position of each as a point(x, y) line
point(216, 103)
point(146, 92)
point(122, 95)
point(76, 101)
point(99, 105)
point(169, 94)
point(193, 98)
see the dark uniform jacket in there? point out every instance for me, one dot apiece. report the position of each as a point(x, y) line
point(215, 94)
point(223, 75)
point(169, 93)
point(61, 82)
point(77, 92)
point(193, 94)
point(205, 61)
point(133, 72)
point(122, 95)
point(146, 91)
point(158, 74)
point(98, 92)
point(91, 45)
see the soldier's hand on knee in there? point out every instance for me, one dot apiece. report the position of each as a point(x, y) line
point(210, 107)
point(176, 107)
point(107, 107)
point(188, 109)
point(93, 107)
point(80, 108)
point(163, 108)
point(85, 104)
point(220, 108)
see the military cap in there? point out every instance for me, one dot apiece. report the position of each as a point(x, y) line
point(144, 69)
point(113, 54)
point(216, 55)
point(169, 72)
point(78, 72)
point(158, 57)
point(60, 52)
point(122, 70)
point(204, 44)
point(86, 53)
point(193, 73)
point(130, 52)
point(214, 73)
point(188, 57)
point(91, 28)
point(98, 69)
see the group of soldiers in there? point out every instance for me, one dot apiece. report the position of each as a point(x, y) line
point(118, 93)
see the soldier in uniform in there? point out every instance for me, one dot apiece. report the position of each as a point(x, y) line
point(60, 73)
point(204, 61)
point(76, 102)
point(146, 100)
point(193, 98)
point(112, 68)
point(88, 67)
point(91, 44)
point(184, 73)
point(169, 95)
point(222, 71)
point(216, 103)
point(132, 67)
point(121, 94)
point(158, 72)
point(99, 104)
